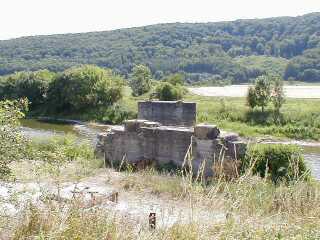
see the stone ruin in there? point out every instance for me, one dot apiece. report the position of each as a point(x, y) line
point(166, 133)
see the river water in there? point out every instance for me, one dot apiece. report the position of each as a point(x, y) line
point(44, 129)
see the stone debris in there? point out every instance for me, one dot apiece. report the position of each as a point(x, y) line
point(205, 131)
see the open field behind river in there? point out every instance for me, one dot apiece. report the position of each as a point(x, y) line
point(306, 91)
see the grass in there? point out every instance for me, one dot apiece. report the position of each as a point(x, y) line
point(300, 117)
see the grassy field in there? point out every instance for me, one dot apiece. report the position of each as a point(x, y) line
point(300, 117)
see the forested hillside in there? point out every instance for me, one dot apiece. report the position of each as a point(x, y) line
point(237, 51)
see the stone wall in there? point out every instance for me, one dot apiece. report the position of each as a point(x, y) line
point(168, 113)
point(142, 140)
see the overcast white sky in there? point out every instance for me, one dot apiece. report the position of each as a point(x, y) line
point(38, 17)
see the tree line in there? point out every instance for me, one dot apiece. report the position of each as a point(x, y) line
point(87, 89)
point(75, 89)
point(210, 52)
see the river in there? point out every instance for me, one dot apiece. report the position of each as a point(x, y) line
point(44, 129)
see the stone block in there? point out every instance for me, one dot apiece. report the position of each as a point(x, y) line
point(229, 136)
point(169, 113)
point(134, 125)
point(205, 131)
point(236, 149)
point(150, 124)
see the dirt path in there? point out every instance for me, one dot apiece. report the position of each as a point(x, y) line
point(134, 205)
point(241, 91)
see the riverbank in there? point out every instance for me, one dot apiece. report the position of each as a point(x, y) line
point(88, 131)
point(300, 117)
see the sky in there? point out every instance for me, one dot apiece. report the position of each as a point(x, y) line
point(43, 17)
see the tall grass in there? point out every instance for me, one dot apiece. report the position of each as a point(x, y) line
point(253, 207)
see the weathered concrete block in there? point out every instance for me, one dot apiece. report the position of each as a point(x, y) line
point(170, 113)
point(151, 124)
point(229, 136)
point(236, 149)
point(166, 144)
point(133, 125)
point(205, 152)
point(205, 131)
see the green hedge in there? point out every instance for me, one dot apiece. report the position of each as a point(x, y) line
point(279, 161)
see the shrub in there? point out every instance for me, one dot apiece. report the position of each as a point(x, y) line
point(61, 149)
point(12, 144)
point(117, 114)
point(140, 81)
point(32, 85)
point(280, 162)
point(176, 79)
point(167, 92)
point(85, 87)
point(251, 98)
point(261, 93)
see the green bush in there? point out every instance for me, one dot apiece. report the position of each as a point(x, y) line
point(117, 114)
point(31, 85)
point(279, 161)
point(140, 80)
point(167, 92)
point(61, 149)
point(83, 88)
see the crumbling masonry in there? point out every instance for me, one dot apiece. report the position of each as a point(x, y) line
point(166, 132)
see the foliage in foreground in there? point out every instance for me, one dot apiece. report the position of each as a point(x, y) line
point(13, 146)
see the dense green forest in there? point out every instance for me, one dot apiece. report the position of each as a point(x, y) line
point(234, 51)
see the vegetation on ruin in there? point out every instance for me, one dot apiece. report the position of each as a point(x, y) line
point(280, 162)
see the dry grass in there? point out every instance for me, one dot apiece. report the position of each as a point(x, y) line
point(255, 208)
